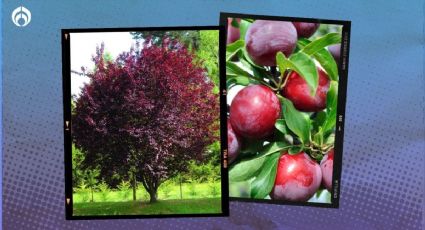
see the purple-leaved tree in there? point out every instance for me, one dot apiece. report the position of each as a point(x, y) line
point(148, 112)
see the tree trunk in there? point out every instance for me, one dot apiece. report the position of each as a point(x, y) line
point(134, 185)
point(181, 193)
point(91, 194)
point(151, 185)
point(153, 197)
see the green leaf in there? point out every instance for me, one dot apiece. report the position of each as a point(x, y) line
point(330, 140)
point(331, 104)
point(273, 147)
point(258, 72)
point(234, 48)
point(234, 69)
point(238, 80)
point(325, 58)
point(318, 137)
point(321, 196)
point(262, 185)
point(295, 150)
point(246, 56)
point(252, 147)
point(332, 96)
point(318, 44)
point(235, 23)
point(328, 63)
point(281, 61)
point(267, 149)
point(319, 120)
point(248, 168)
point(295, 120)
point(281, 126)
point(243, 26)
point(245, 169)
point(306, 68)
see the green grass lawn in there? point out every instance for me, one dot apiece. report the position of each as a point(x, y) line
point(171, 192)
point(185, 206)
point(195, 198)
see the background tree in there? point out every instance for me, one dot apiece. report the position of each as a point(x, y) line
point(152, 110)
point(207, 53)
point(78, 174)
point(92, 180)
point(189, 38)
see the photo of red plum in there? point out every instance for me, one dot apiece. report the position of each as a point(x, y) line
point(305, 29)
point(282, 82)
point(297, 91)
point(234, 144)
point(233, 32)
point(265, 38)
point(297, 178)
point(254, 112)
point(326, 166)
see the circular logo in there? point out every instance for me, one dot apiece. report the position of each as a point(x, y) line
point(21, 16)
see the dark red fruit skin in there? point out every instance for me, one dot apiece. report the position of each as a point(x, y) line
point(265, 38)
point(254, 111)
point(233, 143)
point(233, 33)
point(335, 50)
point(305, 29)
point(297, 91)
point(326, 165)
point(297, 179)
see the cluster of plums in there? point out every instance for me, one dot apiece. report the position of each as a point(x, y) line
point(255, 109)
point(265, 38)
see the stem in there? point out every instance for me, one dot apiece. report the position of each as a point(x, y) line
point(284, 82)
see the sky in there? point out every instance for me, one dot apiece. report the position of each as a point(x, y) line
point(83, 47)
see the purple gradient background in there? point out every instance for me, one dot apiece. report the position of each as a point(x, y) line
point(382, 185)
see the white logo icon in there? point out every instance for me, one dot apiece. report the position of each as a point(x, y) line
point(21, 16)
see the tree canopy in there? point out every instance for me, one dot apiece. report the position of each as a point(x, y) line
point(150, 111)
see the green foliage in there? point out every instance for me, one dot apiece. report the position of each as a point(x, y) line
point(202, 172)
point(104, 191)
point(207, 53)
point(213, 153)
point(248, 168)
point(214, 188)
point(166, 188)
point(107, 57)
point(324, 57)
point(192, 188)
point(203, 190)
point(124, 188)
point(296, 121)
point(83, 191)
point(190, 38)
point(78, 174)
point(233, 48)
point(92, 181)
point(263, 183)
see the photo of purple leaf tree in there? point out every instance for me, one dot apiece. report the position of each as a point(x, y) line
point(146, 123)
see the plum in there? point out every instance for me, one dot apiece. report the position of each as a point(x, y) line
point(326, 165)
point(254, 111)
point(305, 29)
point(233, 33)
point(335, 50)
point(297, 91)
point(297, 179)
point(233, 143)
point(265, 38)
